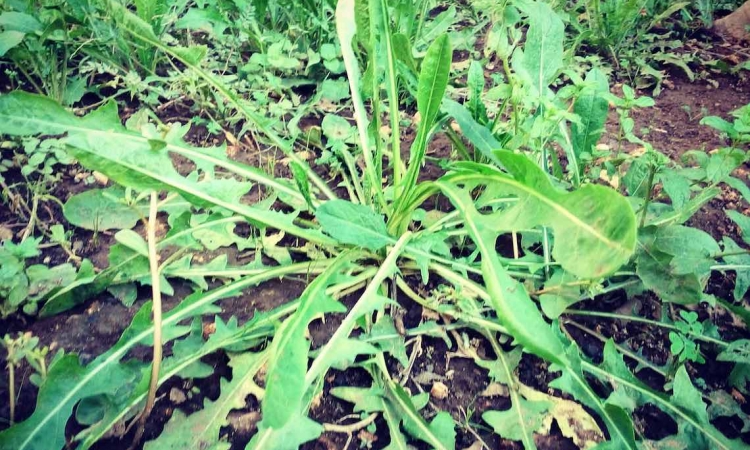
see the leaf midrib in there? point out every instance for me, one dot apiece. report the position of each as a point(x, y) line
point(545, 200)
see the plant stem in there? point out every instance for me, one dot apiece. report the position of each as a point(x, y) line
point(624, 351)
point(606, 315)
point(12, 390)
point(392, 91)
point(651, 174)
point(386, 269)
point(731, 267)
point(732, 253)
point(153, 259)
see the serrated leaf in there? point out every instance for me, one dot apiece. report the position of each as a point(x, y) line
point(101, 143)
point(385, 336)
point(439, 434)
point(285, 379)
point(44, 429)
point(738, 351)
point(187, 353)
point(191, 57)
point(685, 405)
point(519, 315)
point(597, 223)
point(202, 429)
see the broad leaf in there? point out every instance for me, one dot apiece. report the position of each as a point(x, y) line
point(592, 107)
point(596, 225)
point(543, 52)
point(353, 224)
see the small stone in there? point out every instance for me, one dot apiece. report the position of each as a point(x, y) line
point(439, 390)
point(244, 423)
point(176, 396)
point(495, 390)
point(6, 234)
point(101, 178)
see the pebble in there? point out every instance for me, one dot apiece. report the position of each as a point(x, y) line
point(439, 390)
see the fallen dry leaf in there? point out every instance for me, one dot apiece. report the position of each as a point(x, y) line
point(574, 422)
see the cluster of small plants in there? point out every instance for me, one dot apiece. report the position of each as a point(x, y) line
point(513, 238)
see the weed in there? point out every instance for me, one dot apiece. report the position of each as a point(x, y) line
point(529, 151)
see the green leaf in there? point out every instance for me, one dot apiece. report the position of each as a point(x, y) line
point(17, 21)
point(742, 221)
point(480, 136)
point(185, 355)
point(677, 187)
point(340, 350)
point(562, 294)
point(433, 80)
point(592, 107)
point(44, 280)
point(285, 380)
point(133, 241)
point(543, 51)
point(439, 434)
point(101, 143)
point(403, 51)
point(596, 225)
point(685, 405)
point(720, 124)
point(353, 224)
point(10, 39)
point(572, 381)
point(101, 210)
point(69, 382)
point(675, 262)
point(738, 351)
point(438, 26)
point(346, 28)
point(724, 405)
point(285, 400)
point(202, 429)
point(516, 311)
point(298, 430)
point(191, 57)
point(513, 423)
point(742, 281)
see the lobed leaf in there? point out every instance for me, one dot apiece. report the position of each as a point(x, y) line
point(101, 143)
point(595, 226)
